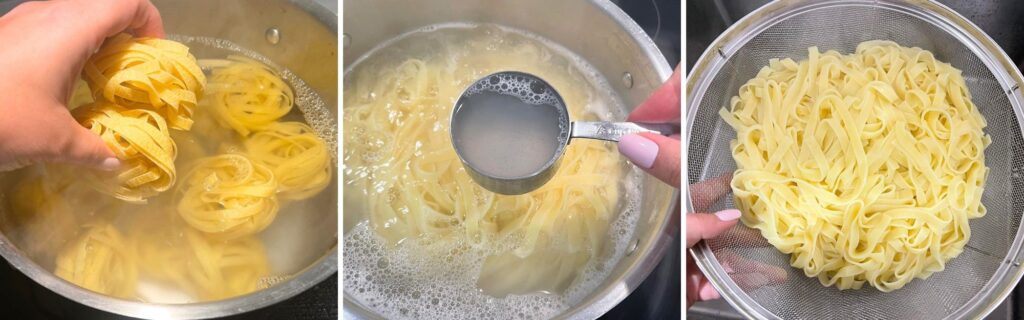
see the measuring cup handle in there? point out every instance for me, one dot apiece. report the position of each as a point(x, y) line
point(613, 131)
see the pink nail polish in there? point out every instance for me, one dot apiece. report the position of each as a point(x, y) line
point(639, 150)
point(728, 215)
point(727, 267)
point(110, 164)
point(709, 293)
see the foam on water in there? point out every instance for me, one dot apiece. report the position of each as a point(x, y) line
point(401, 282)
point(418, 280)
point(528, 90)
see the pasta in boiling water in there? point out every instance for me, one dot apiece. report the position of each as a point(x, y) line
point(208, 268)
point(41, 211)
point(140, 139)
point(161, 249)
point(246, 95)
point(149, 73)
point(201, 242)
point(401, 164)
point(228, 196)
point(865, 168)
point(224, 269)
point(99, 261)
point(297, 156)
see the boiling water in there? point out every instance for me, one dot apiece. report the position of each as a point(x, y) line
point(508, 127)
point(438, 277)
point(289, 241)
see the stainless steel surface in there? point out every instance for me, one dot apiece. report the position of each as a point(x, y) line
point(311, 53)
point(596, 130)
point(613, 131)
point(599, 32)
point(974, 283)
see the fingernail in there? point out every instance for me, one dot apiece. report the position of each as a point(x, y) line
point(639, 150)
point(709, 293)
point(110, 164)
point(727, 267)
point(728, 215)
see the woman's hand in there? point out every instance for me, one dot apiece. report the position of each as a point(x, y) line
point(747, 274)
point(656, 154)
point(45, 47)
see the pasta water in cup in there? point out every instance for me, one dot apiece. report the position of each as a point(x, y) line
point(510, 129)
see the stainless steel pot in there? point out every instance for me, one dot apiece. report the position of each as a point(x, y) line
point(597, 31)
point(300, 35)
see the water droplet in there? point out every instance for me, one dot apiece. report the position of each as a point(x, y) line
point(273, 35)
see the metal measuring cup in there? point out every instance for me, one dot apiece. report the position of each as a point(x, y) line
point(531, 92)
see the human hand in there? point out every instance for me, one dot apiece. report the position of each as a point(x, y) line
point(747, 274)
point(45, 47)
point(656, 154)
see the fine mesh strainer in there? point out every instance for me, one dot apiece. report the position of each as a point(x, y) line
point(761, 284)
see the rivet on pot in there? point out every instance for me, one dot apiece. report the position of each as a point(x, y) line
point(631, 247)
point(273, 35)
point(345, 40)
point(627, 79)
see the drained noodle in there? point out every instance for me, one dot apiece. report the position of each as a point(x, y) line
point(865, 168)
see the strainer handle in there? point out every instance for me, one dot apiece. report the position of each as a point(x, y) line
point(613, 131)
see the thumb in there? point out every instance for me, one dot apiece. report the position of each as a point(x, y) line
point(701, 226)
point(86, 148)
point(656, 154)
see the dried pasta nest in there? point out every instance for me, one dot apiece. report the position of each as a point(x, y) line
point(297, 156)
point(207, 267)
point(138, 137)
point(148, 73)
point(99, 261)
point(246, 95)
point(228, 196)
